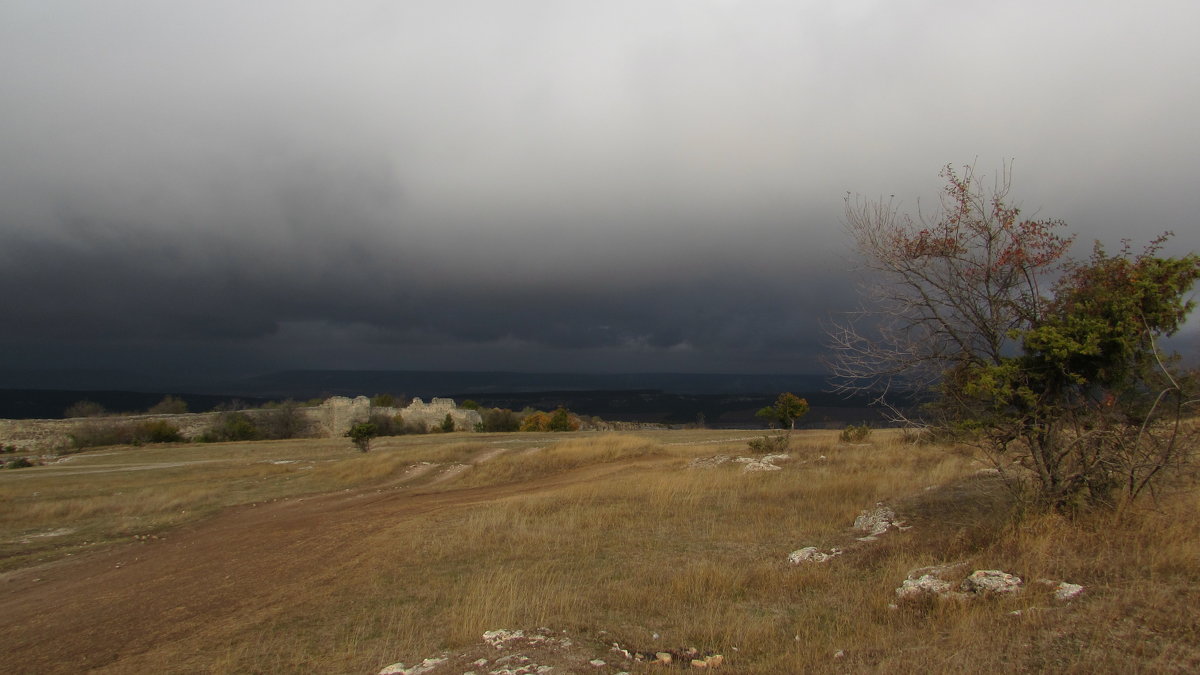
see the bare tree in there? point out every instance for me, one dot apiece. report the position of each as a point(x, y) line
point(943, 290)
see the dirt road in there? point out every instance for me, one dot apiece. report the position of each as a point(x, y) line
point(104, 610)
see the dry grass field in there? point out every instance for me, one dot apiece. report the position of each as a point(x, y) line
point(306, 556)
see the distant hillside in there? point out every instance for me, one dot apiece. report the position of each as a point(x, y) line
point(672, 398)
point(311, 383)
point(19, 404)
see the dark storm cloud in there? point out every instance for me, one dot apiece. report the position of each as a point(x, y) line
point(602, 185)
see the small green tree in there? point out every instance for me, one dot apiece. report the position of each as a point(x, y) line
point(560, 420)
point(470, 404)
point(787, 409)
point(362, 434)
point(447, 424)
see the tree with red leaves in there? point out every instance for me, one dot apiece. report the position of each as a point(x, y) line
point(1043, 362)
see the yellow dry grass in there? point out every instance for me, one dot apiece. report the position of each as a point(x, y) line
point(695, 556)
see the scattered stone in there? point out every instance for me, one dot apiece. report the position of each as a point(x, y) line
point(876, 521)
point(699, 663)
point(708, 462)
point(923, 587)
point(991, 582)
point(424, 667)
point(839, 654)
point(1063, 591)
point(598, 663)
point(752, 464)
point(663, 657)
point(811, 554)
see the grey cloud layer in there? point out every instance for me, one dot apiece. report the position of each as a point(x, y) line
point(619, 178)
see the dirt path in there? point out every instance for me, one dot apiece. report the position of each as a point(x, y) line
point(96, 611)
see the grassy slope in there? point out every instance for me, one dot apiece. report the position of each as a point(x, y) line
point(696, 556)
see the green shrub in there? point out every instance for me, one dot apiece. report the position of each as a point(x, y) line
point(231, 426)
point(18, 463)
point(362, 434)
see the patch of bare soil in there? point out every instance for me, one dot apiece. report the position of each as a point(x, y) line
point(153, 597)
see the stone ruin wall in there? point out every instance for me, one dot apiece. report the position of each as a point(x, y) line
point(331, 419)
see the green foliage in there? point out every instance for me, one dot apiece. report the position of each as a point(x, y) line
point(470, 405)
point(362, 434)
point(560, 420)
point(169, 406)
point(447, 424)
point(787, 409)
point(856, 434)
point(1089, 389)
point(231, 425)
point(18, 463)
point(1069, 384)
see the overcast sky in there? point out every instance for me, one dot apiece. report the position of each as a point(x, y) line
point(539, 185)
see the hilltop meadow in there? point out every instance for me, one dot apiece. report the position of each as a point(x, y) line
point(306, 556)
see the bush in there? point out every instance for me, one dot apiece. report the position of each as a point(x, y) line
point(856, 434)
point(99, 434)
point(447, 424)
point(362, 434)
point(156, 431)
point(169, 406)
point(388, 425)
point(85, 409)
point(500, 419)
point(231, 426)
point(769, 444)
point(18, 463)
point(560, 420)
point(282, 420)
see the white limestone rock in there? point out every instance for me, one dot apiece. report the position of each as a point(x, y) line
point(811, 554)
point(991, 582)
